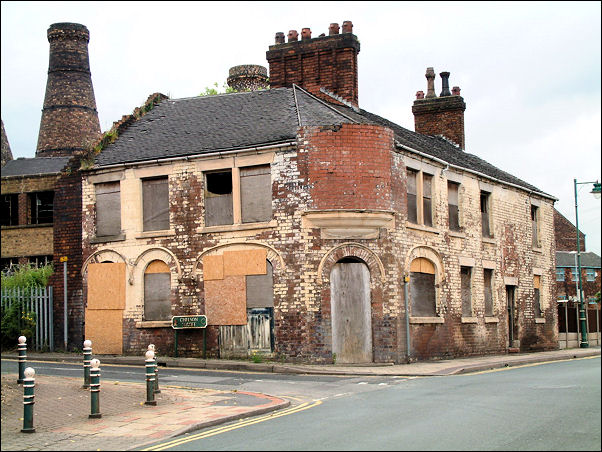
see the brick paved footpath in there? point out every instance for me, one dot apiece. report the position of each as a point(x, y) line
point(62, 407)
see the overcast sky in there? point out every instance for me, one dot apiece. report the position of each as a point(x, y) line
point(529, 72)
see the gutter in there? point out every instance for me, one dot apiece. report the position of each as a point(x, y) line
point(476, 173)
point(195, 156)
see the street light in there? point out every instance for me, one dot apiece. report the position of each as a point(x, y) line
point(596, 191)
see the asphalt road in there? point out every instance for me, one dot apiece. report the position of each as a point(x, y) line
point(554, 406)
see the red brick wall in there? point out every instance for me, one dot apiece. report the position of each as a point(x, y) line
point(566, 234)
point(348, 166)
point(68, 242)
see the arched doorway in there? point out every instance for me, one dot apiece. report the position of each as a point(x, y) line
point(350, 311)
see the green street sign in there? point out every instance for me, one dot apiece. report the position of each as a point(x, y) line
point(180, 322)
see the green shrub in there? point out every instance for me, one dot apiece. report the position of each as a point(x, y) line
point(16, 320)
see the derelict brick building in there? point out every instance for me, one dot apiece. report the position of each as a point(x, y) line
point(307, 228)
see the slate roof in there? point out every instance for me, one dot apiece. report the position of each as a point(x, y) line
point(197, 125)
point(34, 166)
point(567, 259)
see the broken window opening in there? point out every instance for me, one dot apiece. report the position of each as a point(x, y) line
point(41, 207)
point(485, 208)
point(218, 198)
point(535, 225)
point(10, 210)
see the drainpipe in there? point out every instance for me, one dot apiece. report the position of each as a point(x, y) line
point(406, 280)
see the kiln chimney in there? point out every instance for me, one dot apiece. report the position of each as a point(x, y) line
point(69, 117)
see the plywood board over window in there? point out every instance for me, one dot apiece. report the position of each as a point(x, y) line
point(155, 204)
point(256, 194)
point(108, 209)
point(245, 262)
point(225, 301)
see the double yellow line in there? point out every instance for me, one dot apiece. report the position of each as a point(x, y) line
point(216, 431)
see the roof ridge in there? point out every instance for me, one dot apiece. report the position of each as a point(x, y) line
point(326, 104)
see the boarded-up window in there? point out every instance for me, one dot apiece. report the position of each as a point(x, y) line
point(466, 290)
point(427, 202)
point(535, 225)
point(536, 295)
point(422, 288)
point(256, 194)
point(155, 204)
point(108, 209)
point(41, 207)
point(157, 291)
point(412, 206)
point(488, 290)
point(9, 215)
point(260, 289)
point(453, 206)
point(218, 198)
point(485, 214)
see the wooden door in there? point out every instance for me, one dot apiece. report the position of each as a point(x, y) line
point(351, 312)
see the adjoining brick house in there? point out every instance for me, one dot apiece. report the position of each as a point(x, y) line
point(567, 284)
point(41, 196)
point(305, 227)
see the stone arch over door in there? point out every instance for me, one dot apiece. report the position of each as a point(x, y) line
point(351, 313)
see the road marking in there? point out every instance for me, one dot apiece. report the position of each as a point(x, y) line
point(240, 424)
point(526, 365)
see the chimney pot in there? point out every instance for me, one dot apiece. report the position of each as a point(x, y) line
point(293, 35)
point(333, 29)
point(430, 83)
point(419, 94)
point(280, 38)
point(305, 33)
point(456, 91)
point(347, 27)
point(444, 84)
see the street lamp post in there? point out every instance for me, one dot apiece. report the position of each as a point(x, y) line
point(582, 319)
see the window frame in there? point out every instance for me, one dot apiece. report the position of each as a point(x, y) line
point(421, 199)
point(147, 224)
point(10, 209)
point(33, 214)
point(486, 213)
point(107, 233)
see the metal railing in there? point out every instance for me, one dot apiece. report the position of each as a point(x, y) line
point(37, 300)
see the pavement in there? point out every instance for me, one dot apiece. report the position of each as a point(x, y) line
point(62, 406)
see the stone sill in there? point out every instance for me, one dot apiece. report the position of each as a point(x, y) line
point(457, 234)
point(538, 249)
point(488, 240)
point(152, 234)
point(540, 320)
point(108, 238)
point(427, 320)
point(237, 227)
point(153, 324)
point(492, 320)
point(419, 227)
point(28, 226)
point(469, 320)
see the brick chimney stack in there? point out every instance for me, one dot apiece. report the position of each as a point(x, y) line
point(327, 62)
point(248, 77)
point(443, 115)
point(69, 117)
